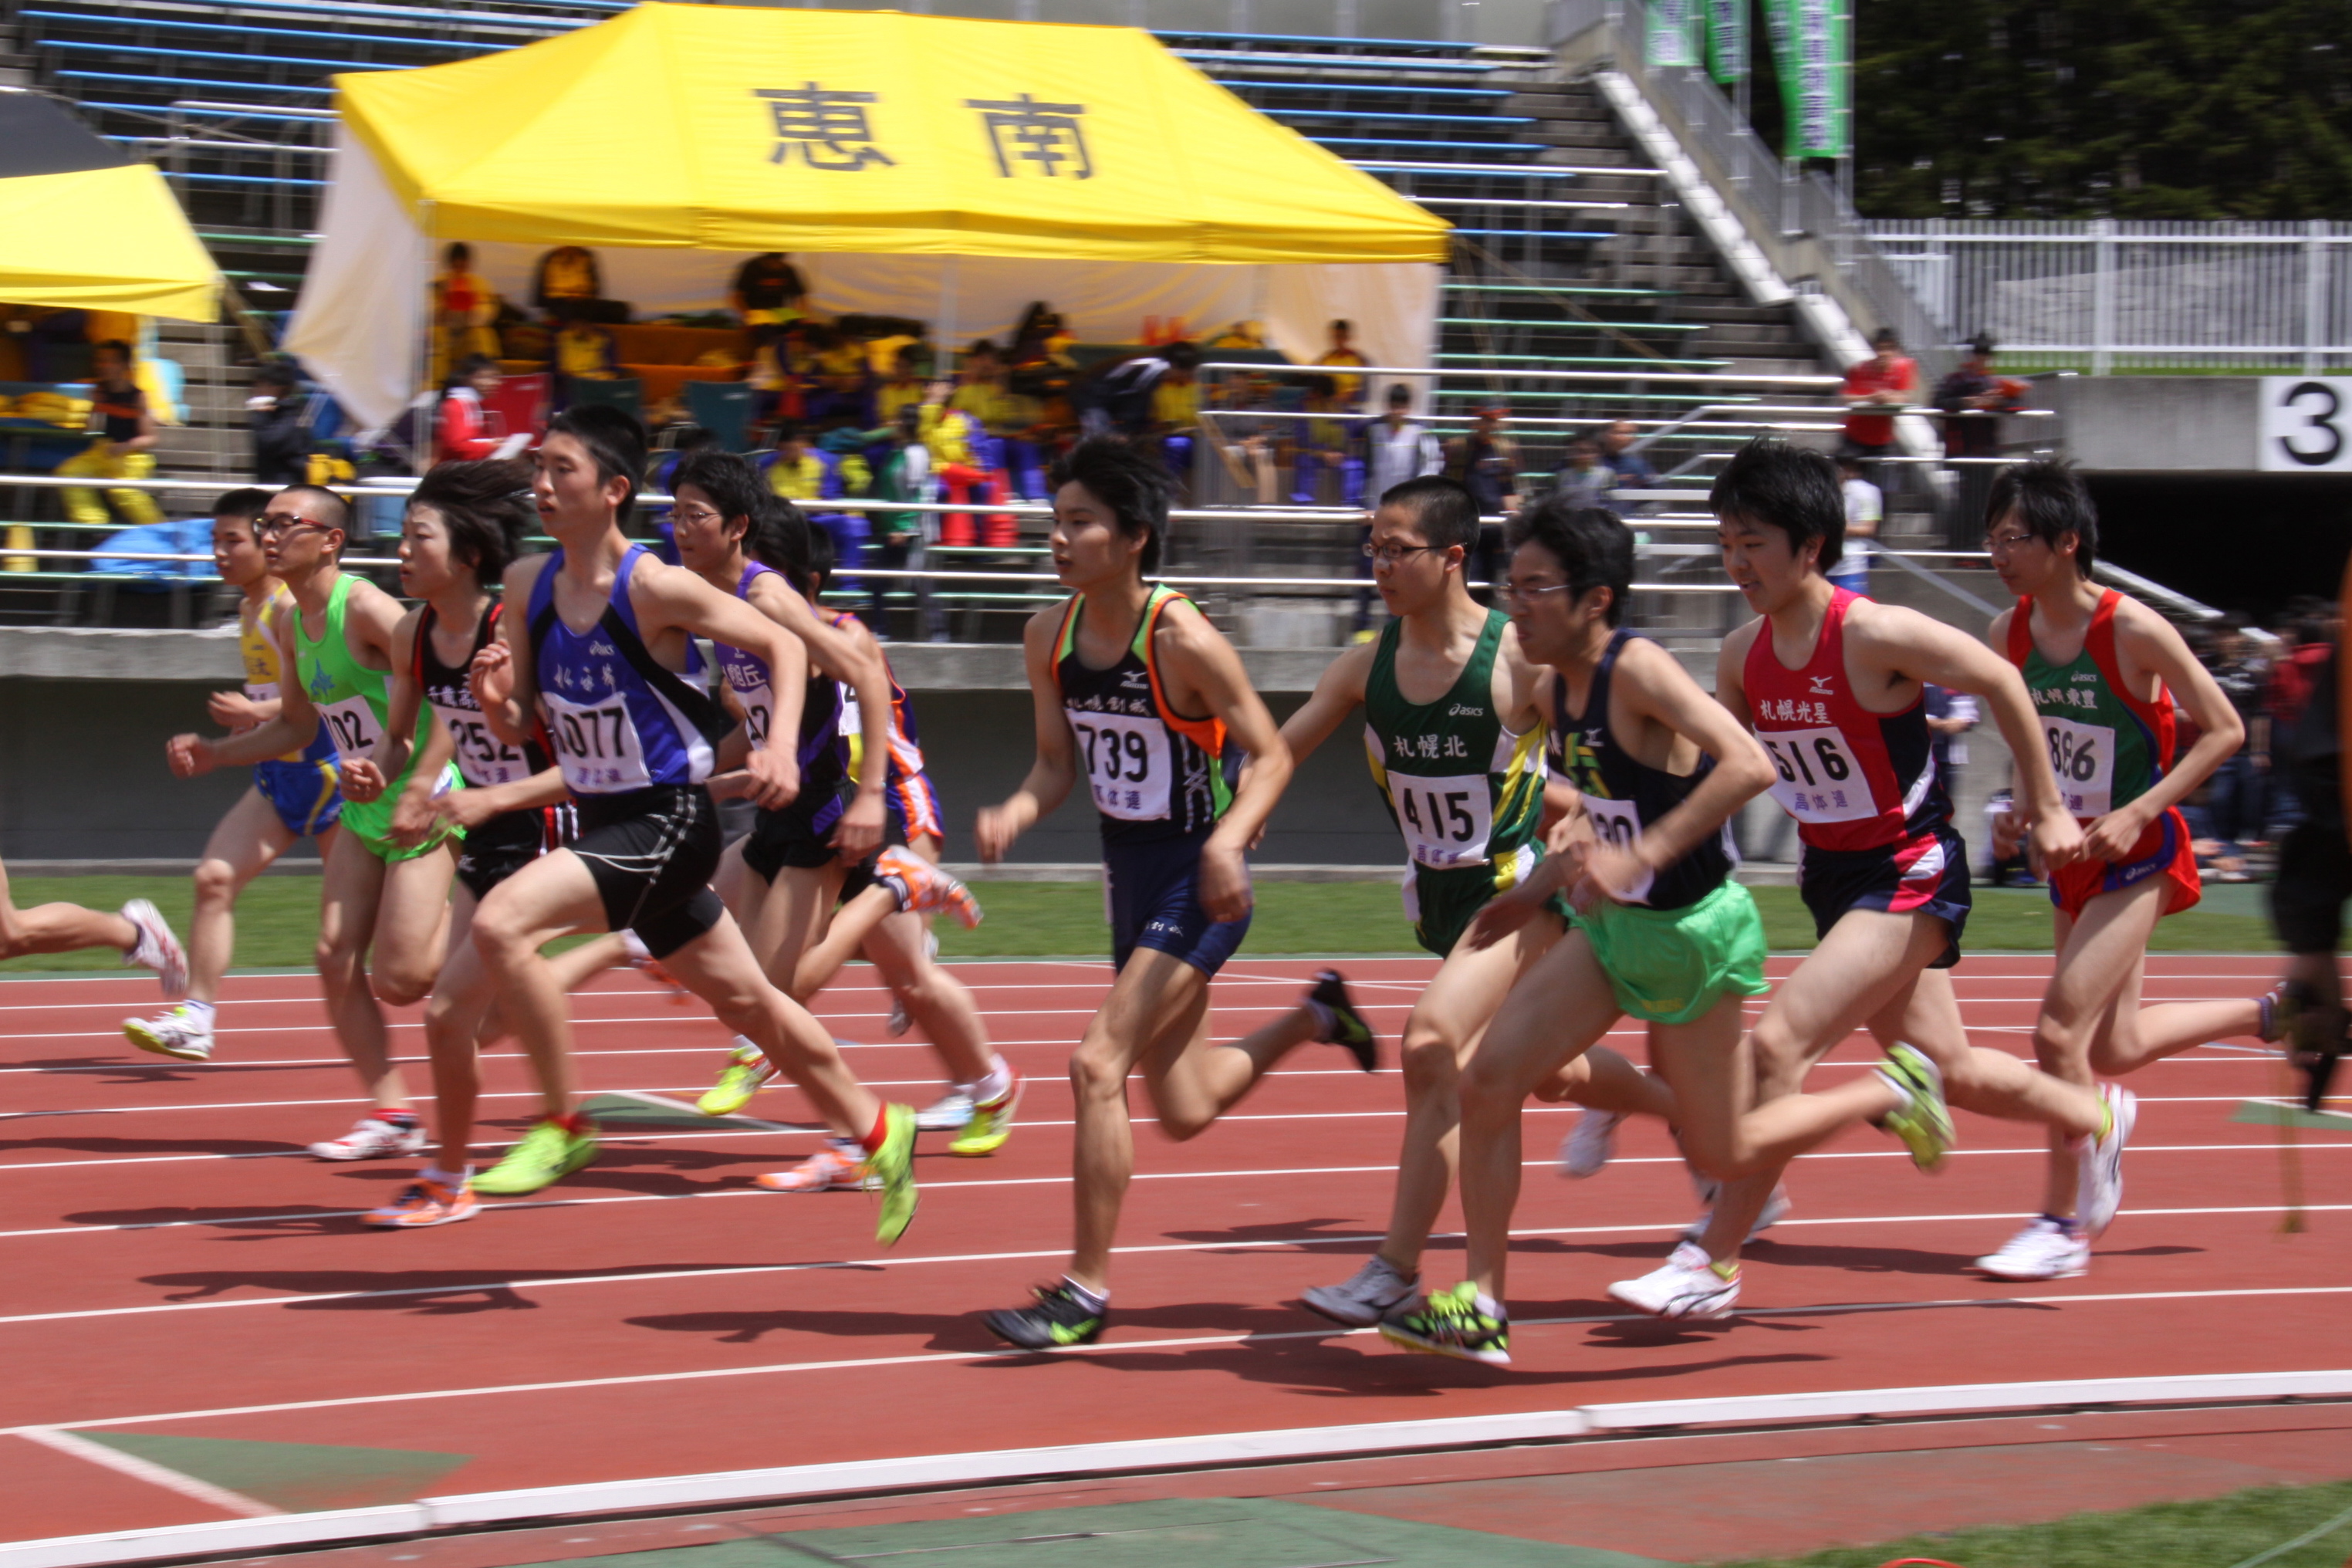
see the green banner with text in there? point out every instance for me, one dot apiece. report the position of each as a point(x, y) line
point(1726, 39)
point(1673, 32)
point(1812, 55)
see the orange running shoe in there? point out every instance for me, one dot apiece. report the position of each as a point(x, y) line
point(925, 888)
point(426, 1202)
point(838, 1167)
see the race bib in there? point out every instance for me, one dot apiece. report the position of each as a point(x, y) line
point(597, 744)
point(1617, 823)
point(1445, 820)
point(759, 709)
point(353, 727)
point(2083, 758)
point(1818, 781)
point(482, 757)
point(1127, 763)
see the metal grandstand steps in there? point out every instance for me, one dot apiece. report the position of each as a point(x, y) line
point(213, 444)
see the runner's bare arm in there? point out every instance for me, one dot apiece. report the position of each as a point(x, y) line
point(413, 818)
point(1731, 673)
point(470, 807)
point(858, 665)
point(503, 676)
point(1056, 768)
point(369, 777)
point(1653, 684)
point(1339, 692)
point(787, 696)
point(1203, 672)
point(293, 730)
point(2150, 646)
point(1519, 680)
point(675, 598)
point(864, 820)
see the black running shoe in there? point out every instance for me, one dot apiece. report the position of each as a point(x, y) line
point(1059, 1319)
point(2314, 1035)
point(1348, 1026)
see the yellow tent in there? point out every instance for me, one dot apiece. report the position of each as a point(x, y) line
point(756, 128)
point(83, 227)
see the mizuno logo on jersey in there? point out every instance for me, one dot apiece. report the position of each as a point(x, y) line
point(1822, 687)
point(1135, 680)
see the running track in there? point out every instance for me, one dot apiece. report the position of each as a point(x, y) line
point(176, 1267)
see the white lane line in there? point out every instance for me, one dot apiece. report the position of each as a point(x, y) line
point(1188, 1342)
point(146, 1470)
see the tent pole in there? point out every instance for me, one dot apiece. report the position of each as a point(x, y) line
point(426, 437)
point(950, 296)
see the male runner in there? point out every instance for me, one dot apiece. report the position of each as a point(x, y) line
point(1455, 745)
point(291, 796)
point(2103, 672)
point(137, 931)
point(2314, 874)
point(1831, 683)
point(595, 654)
point(383, 892)
point(1137, 690)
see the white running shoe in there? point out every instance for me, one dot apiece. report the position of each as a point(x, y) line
point(1589, 1143)
point(2099, 1164)
point(373, 1140)
point(1367, 1296)
point(951, 1112)
point(180, 1032)
point(1687, 1287)
point(899, 1022)
point(1776, 1208)
point(157, 949)
point(2045, 1250)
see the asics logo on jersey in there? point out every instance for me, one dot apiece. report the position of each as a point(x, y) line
point(1822, 687)
point(1461, 711)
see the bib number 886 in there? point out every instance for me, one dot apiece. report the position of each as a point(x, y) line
point(2072, 755)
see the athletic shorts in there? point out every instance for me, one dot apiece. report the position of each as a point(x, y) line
point(1672, 966)
point(652, 853)
point(2163, 851)
point(1925, 875)
point(506, 844)
point(793, 838)
point(1442, 903)
point(303, 793)
point(2315, 877)
point(1150, 896)
point(914, 808)
point(371, 823)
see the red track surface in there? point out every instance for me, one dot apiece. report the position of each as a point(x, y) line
point(176, 1266)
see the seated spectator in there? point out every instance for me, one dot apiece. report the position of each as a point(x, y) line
point(905, 388)
point(1324, 447)
point(1865, 509)
point(1009, 418)
point(1175, 420)
point(1485, 462)
point(1584, 481)
point(808, 475)
point(901, 537)
point(585, 352)
point(768, 291)
point(466, 429)
point(281, 441)
point(464, 309)
point(124, 426)
point(1348, 389)
point(570, 283)
point(834, 393)
point(1618, 455)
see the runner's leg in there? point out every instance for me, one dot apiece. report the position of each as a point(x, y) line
point(244, 844)
point(1988, 1082)
point(937, 1001)
point(351, 888)
point(1158, 1008)
point(2099, 957)
point(412, 925)
point(455, 1018)
point(58, 927)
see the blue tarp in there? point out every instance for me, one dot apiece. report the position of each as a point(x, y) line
point(192, 537)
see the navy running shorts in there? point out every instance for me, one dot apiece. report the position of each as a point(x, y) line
point(1150, 896)
point(1928, 874)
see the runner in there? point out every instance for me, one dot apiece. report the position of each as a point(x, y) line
point(291, 796)
point(136, 930)
point(1455, 745)
point(604, 631)
point(1115, 672)
point(1830, 684)
point(459, 533)
point(383, 892)
point(2103, 672)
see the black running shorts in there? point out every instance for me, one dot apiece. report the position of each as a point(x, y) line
point(505, 845)
point(800, 836)
point(652, 853)
point(2315, 877)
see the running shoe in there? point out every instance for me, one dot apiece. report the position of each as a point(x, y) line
point(157, 949)
point(2045, 1249)
point(1922, 1121)
point(1347, 1027)
point(2290, 1014)
point(1686, 1286)
point(1058, 1320)
point(893, 1165)
point(2099, 1163)
point(838, 1167)
point(1450, 1324)
point(951, 1112)
point(180, 1032)
point(373, 1139)
point(924, 889)
point(1365, 1297)
point(992, 1122)
point(424, 1203)
point(747, 1071)
point(1589, 1143)
point(1776, 1208)
point(547, 1152)
point(2281, 1004)
point(900, 1021)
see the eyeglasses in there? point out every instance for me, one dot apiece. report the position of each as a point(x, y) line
point(2002, 544)
point(270, 524)
point(1390, 554)
point(1526, 593)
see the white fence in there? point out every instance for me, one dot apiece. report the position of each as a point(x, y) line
point(2102, 295)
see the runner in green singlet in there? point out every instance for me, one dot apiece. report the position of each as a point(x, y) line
point(383, 896)
point(1456, 747)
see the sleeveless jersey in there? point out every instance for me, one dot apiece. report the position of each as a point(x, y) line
point(747, 674)
point(619, 720)
point(1623, 795)
point(1156, 775)
point(352, 698)
point(1851, 778)
point(265, 666)
point(482, 757)
point(906, 749)
point(2106, 746)
point(1465, 793)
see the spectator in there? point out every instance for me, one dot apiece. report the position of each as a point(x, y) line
point(1007, 416)
point(904, 389)
point(281, 439)
point(1396, 448)
point(1585, 481)
point(902, 538)
point(466, 429)
point(1950, 716)
point(1971, 398)
point(568, 283)
point(1874, 389)
point(809, 476)
point(585, 352)
point(1618, 455)
point(2305, 640)
point(465, 306)
point(1486, 462)
point(1348, 389)
point(768, 291)
point(124, 446)
point(2236, 801)
point(1864, 510)
point(2015, 871)
point(1323, 446)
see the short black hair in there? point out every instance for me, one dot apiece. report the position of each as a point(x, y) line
point(616, 440)
point(1445, 510)
point(337, 511)
point(118, 346)
point(789, 430)
point(473, 364)
point(1592, 544)
point(1792, 489)
point(1181, 356)
point(2050, 502)
point(1137, 487)
point(1341, 324)
point(780, 538)
point(819, 571)
point(275, 373)
point(693, 438)
point(247, 503)
point(1400, 394)
point(732, 484)
point(487, 509)
point(1884, 336)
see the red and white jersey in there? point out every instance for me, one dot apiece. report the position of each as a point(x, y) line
point(1851, 778)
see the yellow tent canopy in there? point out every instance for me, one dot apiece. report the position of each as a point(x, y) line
point(739, 128)
point(82, 228)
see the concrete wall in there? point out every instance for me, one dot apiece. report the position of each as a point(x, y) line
point(2157, 423)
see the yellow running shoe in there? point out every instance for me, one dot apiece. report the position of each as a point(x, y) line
point(991, 1124)
point(547, 1152)
point(746, 1073)
point(893, 1165)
